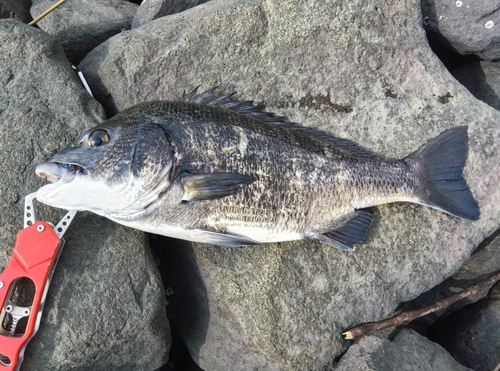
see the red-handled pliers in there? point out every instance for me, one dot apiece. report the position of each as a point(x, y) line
point(25, 281)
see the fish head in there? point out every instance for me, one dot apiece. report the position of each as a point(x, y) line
point(116, 167)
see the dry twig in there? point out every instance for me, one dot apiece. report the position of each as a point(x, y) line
point(406, 317)
point(34, 21)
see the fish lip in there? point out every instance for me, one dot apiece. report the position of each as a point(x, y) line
point(56, 171)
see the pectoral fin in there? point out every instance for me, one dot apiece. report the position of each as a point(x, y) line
point(209, 186)
point(348, 233)
point(223, 239)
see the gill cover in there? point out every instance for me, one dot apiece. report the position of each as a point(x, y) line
point(153, 164)
point(153, 154)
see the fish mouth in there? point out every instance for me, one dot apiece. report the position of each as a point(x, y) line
point(59, 171)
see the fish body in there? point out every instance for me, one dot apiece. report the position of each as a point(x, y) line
point(214, 170)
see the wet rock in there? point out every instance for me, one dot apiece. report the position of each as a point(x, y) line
point(368, 75)
point(105, 308)
point(153, 9)
point(469, 27)
point(472, 334)
point(483, 81)
point(407, 351)
point(82, 25)
point(17, 9)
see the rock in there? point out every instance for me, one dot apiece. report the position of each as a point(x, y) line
point(17, 9)
point(106, 306)
point(483, 264)
point(408, 351)
point(35, 119)
point(469, 27)
point(483, 81)
point(362, 71)
point(472, 334)
point(105, 309)
point(82, 25)
point(153, 9)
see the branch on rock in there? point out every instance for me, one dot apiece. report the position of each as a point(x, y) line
point(34, 21)
point(406, 317)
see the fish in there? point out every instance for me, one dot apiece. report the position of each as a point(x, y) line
point(209, 168)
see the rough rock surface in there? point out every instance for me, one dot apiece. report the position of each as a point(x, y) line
point(362, 70)
point(408, 351)
point(105, 308)
point(153, 9)
point(472, 334)
point(483, 81)
point(469, 27)
point(82, 25)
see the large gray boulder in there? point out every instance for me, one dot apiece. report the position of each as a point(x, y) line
point(408, 351)
point(362, 71)
point(82, 25)
point(469, 27)
point(106, 308)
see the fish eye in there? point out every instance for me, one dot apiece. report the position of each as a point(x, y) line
point(97, 138)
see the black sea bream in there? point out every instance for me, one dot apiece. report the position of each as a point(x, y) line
point(213, 170)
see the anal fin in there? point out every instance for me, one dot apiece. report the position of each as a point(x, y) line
point(214, 185)
point(223, 239)
point(348, 233)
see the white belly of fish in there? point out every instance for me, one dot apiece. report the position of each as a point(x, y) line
point(263, 235)
point(234, 236)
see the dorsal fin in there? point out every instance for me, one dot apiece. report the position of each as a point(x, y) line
point(226, 101)
point(257, 112)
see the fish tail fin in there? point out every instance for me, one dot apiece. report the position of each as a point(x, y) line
point(442, 161)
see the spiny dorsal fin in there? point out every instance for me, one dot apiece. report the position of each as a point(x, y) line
point(226, 101)
point(257, 112)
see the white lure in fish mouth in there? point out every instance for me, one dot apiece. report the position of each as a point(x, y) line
point(57, 171)
point(72, 189)
point(62, 188)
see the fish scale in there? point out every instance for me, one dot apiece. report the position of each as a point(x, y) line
point(211, 169)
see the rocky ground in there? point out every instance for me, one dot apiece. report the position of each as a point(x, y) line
point(389, 75)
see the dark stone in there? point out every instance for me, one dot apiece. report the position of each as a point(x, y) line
point(483, 263)
point(482, 79)
point(82, 25)
point(154, 9)
point(469, 27)
point(17, 9)
point(408, 351)
point(472, 334)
